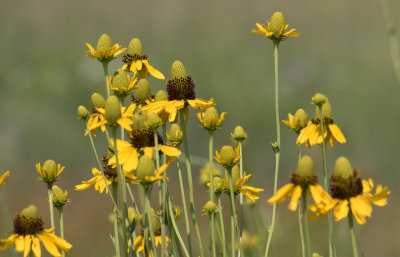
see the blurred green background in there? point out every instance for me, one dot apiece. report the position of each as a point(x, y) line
point(342, 52)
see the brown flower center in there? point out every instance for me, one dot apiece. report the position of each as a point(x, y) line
point(303, 181)
point(327, 121)
point(109, 171)
point(181, 89)
point(27, 225)
point(342, 188)
point(129, 58)
point(141, 138)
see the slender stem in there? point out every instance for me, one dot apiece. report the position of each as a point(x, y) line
point(185, 212)
point(211, 195)
point(50, 195)
point(278, 141)
point(304, 215)
point(115, 219)
point(100, 167)
point(211, 220)
point(241, 200)
point(299, 153)
point(352, 234)
point(332, 250)
point(393, 42)
point(301, 216)
point(178, 235)
point(221, 221)
point(233, 212)
point(161, 195)
point(61, 217)
point(148, 212)
point(190, 181)
point(122, 188)
point(105, 69)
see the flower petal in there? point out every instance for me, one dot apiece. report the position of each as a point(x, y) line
point(296, 194)
point(281, 194)
point(342, 210)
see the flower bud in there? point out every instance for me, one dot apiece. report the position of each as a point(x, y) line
point(239, 134)
point(211, 118)
point(155, 220)
point(140, 120)
point(113, 109)
point(98, 101)
point(300, 119)
point(227, 154)
point(343, 168)
point(132, 215)
point(104, 43)
point(210, 207)
point(218, 184)
point(59, 197)
point(30, 212)
point(135, 47)
point(50, 167)
point(154, 121)
point(145, 167)
point(178, 70)
point(319, 99)
point(235, 174)
point(326, 111)
point(82, 112)
point(120, 80)
point(175, 134)
point(277, 23)
point(305, 168)
point(161, 96)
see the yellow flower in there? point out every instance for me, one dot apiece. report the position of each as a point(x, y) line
point(99, 120)
point(139, 242)
point(312, 135)
point(298, 121)
point(145, 173)
point(210, 120)
point(98, 181)
point(180, 89)
point(121, 83)
point(349, 192)
point(276, 29)
point(137, 62)
point(227, 157)
point(141, 142)
point(4, 177)
point(303, 179)
point(29, 232)
point(105, 51)
point(50, 171)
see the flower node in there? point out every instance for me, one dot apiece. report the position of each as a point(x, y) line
point(181, 89)
point(24, 225)
point(345, 188)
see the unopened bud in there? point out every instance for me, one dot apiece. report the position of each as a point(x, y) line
point(175, 133)
point(239, 134)
point(59, 197)
point(98, 101)
point(319, 99)
point(82, 112)
point(300, 119)
point(145, 167)
point(120, 79)
point(210, 207)
point(113, 109)
point(154, 121)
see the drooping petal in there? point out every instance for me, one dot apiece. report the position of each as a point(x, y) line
point(154, 72)
point(169, 150)
point(361, 208)
point(294, 200)
point(20, 244)
point(281, 194)
point(342, 210)
point(49, 245)
point(6, 243)
point(337, 133)
point(37, 251)
point(28, 244)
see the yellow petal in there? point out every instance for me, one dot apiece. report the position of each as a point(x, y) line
point(361, 208)
point(342, 210)
point(59, 242)
point(4, 177)
point(36, 247)
point(49, 245)
point(154, 72)
point(281, 194)
point(27, 247)
point(169, 150)
point(296, 194)
point(315, 193)
point(337, 133)
point(20, 244)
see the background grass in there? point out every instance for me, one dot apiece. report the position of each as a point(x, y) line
point(342, 52)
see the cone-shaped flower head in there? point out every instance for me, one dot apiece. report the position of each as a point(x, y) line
point(49, 172)
point(210, 118)
point(219, 185)
point(277, 23)
point(161, 95)
point(239, 134)
point(97, 101)
point(142, 92)
point(326, 111)
point(30, 212)
point(180, 86)
point(82, 112)
point(178, 70)
point(145, 167)
point(154, 121)
point(120, 79)
point(113, 110)
point(235, 174)
point(133, 215)
point(210, 207)
point(319, 99)
point(343, 168)
point(227, 157)
point(135, 47)
point(59, 197)
point(305, 168)
point(104, 43)
point(300, 119)
point(140, 120)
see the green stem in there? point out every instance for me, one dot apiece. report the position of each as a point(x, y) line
point(332, 250)
point(122, 187)
point(211, 195)
point(352, 234)
point(190, 181)
point(50, 195)
point(178, 235)
point(211, 220)
point(115, 220)
point(148, 212)
point(301, 216)
point(99, 163)
point(61, 216)
point(241, 200)
point(278, 141)
point(221, 221)
point(304, 216)
point(393, 42)
point(161, 195)
point(233, 211)
point(299, 153)
point(105, 69)
point(185, 212)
